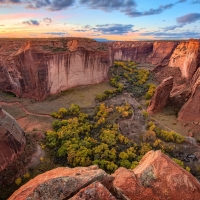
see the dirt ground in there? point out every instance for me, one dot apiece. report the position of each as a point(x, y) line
point(33, 115)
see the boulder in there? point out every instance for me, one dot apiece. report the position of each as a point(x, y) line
point(64, 183)
point(156, 177)
point(95, 191)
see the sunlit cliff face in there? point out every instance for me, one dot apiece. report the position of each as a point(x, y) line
point(42, 67)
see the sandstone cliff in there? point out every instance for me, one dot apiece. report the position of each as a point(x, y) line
point(187, 57)
point(191, 109)
point(161, 96)
point(156, 53)
point(38, 68)
point(135, 51)
point(185, 90)
point(156, 177)
point(12, 139)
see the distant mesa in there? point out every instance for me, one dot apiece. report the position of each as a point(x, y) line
point(12, 139)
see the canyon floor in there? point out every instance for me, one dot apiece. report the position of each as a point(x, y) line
point(35, 117)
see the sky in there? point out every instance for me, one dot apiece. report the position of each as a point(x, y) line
point(123, 20)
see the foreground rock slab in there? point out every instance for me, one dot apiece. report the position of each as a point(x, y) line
point(156, 177)
point(62, 183)
point(95, 191)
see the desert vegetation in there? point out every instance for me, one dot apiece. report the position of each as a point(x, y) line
point(125, 76)
point(82, 139)
point(79, 139)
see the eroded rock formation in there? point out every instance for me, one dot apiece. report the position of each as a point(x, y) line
point(38, 68)
point(187, 57)
point(161, 96)
point(12, 139)
point(191, 109)
point(156, 177)
point(156, 53)
point(64, 182)
point(135, 51)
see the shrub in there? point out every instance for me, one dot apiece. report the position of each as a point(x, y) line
point(150, 91)
point(179, 162)
point(27, 175)
point(187, 169)
point(145, 114)
point(18, 181)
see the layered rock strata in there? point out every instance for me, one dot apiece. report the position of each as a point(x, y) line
point(187, 57)
point(12, 139)
point(156, 177)
point(191, 109)
point(39, 68)
point(156, 53)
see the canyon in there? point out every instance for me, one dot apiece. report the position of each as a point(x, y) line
point(37, 68)
point(40, 68)
point(177, 59)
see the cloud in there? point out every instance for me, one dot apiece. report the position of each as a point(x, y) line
point(54, 5)
point(128, 7)
point(152, 11)
point(114, 29)
point(178, 35)
point(47, 20)
point(188, 19)
point(56, 33)
point(80, 30)
point(181, 1)
point(170, 28)
point(108, 29)
point(32, 22)
point(10, 1)
point(196, 1)
point(107, 5)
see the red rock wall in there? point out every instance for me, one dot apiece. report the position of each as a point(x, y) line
point(12, 140)
point(135, 51)
point(187, 57)
point(156, 53)
point(191, 109)
point(40, 68)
